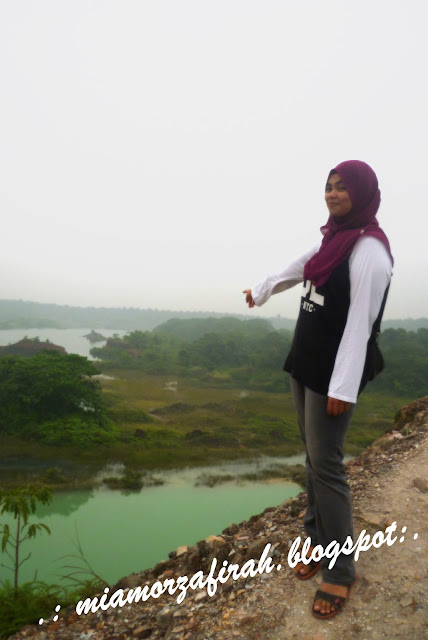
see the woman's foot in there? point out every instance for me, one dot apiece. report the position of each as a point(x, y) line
point(335, 597)
point(324, 607)
point(305, 571)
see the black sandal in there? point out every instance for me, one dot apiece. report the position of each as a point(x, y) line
point(337, 601)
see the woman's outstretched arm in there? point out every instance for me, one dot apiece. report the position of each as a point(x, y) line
point(289, 277)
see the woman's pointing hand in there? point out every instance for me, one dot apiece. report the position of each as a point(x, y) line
point(249, 298)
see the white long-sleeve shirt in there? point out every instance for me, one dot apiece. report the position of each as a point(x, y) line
point(370, 271)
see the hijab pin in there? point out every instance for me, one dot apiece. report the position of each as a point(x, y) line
point(362, 231)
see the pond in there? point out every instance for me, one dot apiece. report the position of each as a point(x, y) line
point(122, 533)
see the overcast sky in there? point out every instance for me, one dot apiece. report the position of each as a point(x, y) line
point(169, 154)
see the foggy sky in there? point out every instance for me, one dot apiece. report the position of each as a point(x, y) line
point(168, 154)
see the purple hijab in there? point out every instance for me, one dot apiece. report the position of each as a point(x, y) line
point(341, 235)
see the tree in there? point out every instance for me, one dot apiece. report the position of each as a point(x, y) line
point(53, 389)
point(21, 502)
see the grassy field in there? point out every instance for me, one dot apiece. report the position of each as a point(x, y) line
point(167, 423)
point(183, 421)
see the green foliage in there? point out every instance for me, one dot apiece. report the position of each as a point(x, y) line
point(230, 352)
point(21, 503)
point(130, 481)
point(248, 348)
point(54, 475)
point(406, 362)
point(141, 350)
point(53, 397)
point(27, 604)
point(80, 431)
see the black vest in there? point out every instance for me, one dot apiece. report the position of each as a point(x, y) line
point(319, 329)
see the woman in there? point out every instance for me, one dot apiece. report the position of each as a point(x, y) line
point(334, 353)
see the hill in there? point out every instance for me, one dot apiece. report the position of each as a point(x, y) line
point(21, 314)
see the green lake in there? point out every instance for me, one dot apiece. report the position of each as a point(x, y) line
point(125, 533)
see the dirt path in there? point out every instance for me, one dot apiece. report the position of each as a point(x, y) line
point(391, 596)
point(389, 483)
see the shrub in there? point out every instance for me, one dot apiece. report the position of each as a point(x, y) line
point(78, 431)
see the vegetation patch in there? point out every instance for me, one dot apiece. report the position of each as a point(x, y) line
point(296, 473)
point(132, 481)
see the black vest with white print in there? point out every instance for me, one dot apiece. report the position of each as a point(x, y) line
point(319, 329)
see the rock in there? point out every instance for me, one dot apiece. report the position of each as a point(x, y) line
point(256, 548)
point(231, 529)
point(142, 632)
point(245, 617)
point(129, 582)
point(72, 618)
point(369, 595)
point(166, 574)
point(160, 567)
point(406, 601)
point(180, 550)
point(372, 518)
point(281, 612)
point(217, 548)
point(421, 484)
point(407, 414)
point(228, 586)
point(394, 435)
point(164, 617)
point(295, 509)
point(194, 561)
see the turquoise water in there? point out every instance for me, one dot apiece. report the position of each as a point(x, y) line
point(122, 534)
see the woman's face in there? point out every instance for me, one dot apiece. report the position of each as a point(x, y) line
point(337, 198)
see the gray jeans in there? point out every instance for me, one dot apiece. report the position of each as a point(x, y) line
point(329, 513)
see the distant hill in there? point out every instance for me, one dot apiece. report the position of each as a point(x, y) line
point(21, 314)
point(192, 329)
point(410, 324)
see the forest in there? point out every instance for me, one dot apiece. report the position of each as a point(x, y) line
point(189, 391)
point(232, 352)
